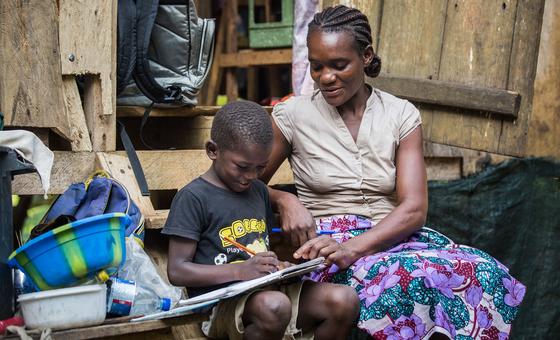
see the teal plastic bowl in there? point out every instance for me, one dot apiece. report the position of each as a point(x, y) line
point(73, 253)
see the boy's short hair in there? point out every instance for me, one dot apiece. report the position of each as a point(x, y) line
point(240, 123)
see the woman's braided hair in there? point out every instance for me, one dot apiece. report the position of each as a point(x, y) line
point(342, 18)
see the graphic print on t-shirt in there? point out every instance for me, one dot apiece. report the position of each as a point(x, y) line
point(247, 232)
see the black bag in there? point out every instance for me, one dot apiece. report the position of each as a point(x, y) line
point(166, 48)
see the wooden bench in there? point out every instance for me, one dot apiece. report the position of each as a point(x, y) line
point(182, 327)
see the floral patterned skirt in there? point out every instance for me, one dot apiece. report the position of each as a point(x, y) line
point(426, 284)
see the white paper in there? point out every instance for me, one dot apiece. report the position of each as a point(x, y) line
point(185, 310)
point(245, 286)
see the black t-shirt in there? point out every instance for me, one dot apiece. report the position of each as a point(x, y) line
point(206, 213)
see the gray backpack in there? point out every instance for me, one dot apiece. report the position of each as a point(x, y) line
point(166, 48)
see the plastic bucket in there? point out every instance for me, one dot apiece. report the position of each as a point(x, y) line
point(65, 308)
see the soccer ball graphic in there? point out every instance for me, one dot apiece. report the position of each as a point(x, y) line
point(220, 259)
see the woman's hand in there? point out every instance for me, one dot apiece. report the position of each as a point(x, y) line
point(332, 251)
point(295, 219)
point(259, 265)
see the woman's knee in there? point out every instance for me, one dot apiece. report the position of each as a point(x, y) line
point(270, 309)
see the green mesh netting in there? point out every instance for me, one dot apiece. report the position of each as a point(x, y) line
point(511, 211)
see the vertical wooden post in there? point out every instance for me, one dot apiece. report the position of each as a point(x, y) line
point(102, 128)
point(213, 83)
point(544, 127)
point(231, 47)
point(252, 75)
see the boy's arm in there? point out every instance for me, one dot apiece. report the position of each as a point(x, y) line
point(182, 272)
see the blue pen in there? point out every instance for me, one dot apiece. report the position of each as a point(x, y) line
point(320, 232)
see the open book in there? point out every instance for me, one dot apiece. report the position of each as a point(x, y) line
point(246, 286)
point(204, 301)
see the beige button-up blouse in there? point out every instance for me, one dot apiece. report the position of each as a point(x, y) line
point(335, 175)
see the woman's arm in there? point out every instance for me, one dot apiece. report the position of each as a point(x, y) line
point(281, 150)
point(295, 219)
point(405, 219)
point(181, 271)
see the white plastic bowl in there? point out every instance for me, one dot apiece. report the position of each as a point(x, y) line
point(65, 308)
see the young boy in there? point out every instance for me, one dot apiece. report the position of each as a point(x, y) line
point(228, 201)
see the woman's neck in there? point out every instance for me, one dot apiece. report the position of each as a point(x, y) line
point(356, 105)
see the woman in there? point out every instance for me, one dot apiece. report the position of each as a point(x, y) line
point(356, 154)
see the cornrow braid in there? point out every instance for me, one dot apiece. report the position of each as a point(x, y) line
point(343, 18)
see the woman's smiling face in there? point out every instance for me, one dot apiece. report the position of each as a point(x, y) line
point(336, 66)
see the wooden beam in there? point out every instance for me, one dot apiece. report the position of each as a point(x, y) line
point(73, 105)
point(167, 170)
point(438, 168)
point(137, 111)
point(471, 161)
point(443, 168)
point(246, 58)
point(157, 220)
point(164, 170)
point(68, 168)
point(502, 102)
point(110, 330)
point(118, 166)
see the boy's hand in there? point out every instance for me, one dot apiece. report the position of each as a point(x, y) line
point(284, 264)
point(259, 265)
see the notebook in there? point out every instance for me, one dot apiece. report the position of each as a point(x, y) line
point(246, 286)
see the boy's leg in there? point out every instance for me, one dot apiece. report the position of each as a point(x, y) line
point(258, 315)
point(266, 315)
point(331, 309)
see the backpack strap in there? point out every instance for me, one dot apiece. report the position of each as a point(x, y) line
point(126, 47)
point(133, 159)
point(146, 14)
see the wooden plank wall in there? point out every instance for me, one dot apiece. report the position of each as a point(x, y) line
point(31, 83)
point(483, 43)
point(44, 45)
point(92, 53)
point(544, 128)
point(475, 50)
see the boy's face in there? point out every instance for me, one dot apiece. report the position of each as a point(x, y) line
point(237, 168)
